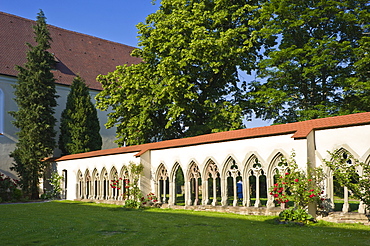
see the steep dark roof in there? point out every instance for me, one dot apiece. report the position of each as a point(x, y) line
point(300, 130)
point(78, 54)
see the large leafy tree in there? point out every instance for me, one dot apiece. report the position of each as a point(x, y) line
point(79, 126)
point(188, 83)
point(309, 72)
point(35, 96)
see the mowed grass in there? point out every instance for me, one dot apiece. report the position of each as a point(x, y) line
point(76, 223)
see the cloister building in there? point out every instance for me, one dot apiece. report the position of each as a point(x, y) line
point(206, 169)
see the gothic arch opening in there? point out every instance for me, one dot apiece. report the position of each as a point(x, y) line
point(162, 184)
point(177, 186)
point(339, 196)
point(194, 184)
point(114, 189)
point(80, 185)
point(212, 184)
point(95, 184)
point(256, 192)
point(277, 167)
point(87, 184)
point(231, 179)
point(104, 184)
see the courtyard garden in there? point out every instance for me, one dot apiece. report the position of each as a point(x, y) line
point(78, 223)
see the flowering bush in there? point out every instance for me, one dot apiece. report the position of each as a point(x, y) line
point(149, 200)
point(8, 188)
point(297, 186)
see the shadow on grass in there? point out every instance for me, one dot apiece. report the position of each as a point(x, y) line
point(77, 223)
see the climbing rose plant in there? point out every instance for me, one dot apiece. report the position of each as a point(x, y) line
point(132, 194)
point(298, 186)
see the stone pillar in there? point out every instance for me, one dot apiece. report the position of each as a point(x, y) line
point(188, 193)
point(205, 196)
point(164, 200)
point(196, 188)
point(172, 193)
point(214, 202)
point(345, 208)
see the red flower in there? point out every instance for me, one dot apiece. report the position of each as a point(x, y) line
point(296, 180)
point(286, 173)
point(311, 190)
point(276, 184)
point(276, 195)
point(310, 180)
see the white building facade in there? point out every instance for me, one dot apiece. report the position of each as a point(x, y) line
point(211, 165)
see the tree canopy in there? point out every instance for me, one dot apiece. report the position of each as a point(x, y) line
point(310, 60)
point(318, 55)
point(188, 82)
point(35, 96)
point(79, 126)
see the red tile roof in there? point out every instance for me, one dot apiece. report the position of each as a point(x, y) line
point(78, 54)
point(300, 130)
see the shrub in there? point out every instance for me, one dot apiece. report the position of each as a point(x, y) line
point(295, 215)
point(8, 189)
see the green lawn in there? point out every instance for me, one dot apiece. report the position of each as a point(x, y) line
point(74, 223)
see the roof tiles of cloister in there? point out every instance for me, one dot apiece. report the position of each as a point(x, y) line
point(299, 130)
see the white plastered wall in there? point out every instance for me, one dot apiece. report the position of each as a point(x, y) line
point(100, 162)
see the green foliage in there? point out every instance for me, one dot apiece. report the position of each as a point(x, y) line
point(352, 173)
point(8, 189)
point(79, 127)
point(55, 182)
point(298, 186)
point(132, 195)
point(35, 96)
point(188, 83)
point(315, 59)
point(295, 215)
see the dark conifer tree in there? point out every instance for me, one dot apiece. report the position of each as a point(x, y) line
point(79, 128)
point(35, 96)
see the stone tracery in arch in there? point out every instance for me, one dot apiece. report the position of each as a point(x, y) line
point(80, 185)
point(256, 182)
point(95, 184)
point(162, 183)
point(104, 184)
point(194, 182)
point(113, 177)
point(211, 183)
point(231, 176)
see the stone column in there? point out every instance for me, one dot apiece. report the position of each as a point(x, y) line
point(164, 200)
point(172, 193)
point(345, 208)
point(205, 196)
point(214, 202)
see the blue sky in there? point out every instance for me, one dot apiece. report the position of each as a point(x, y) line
point(113, 20)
